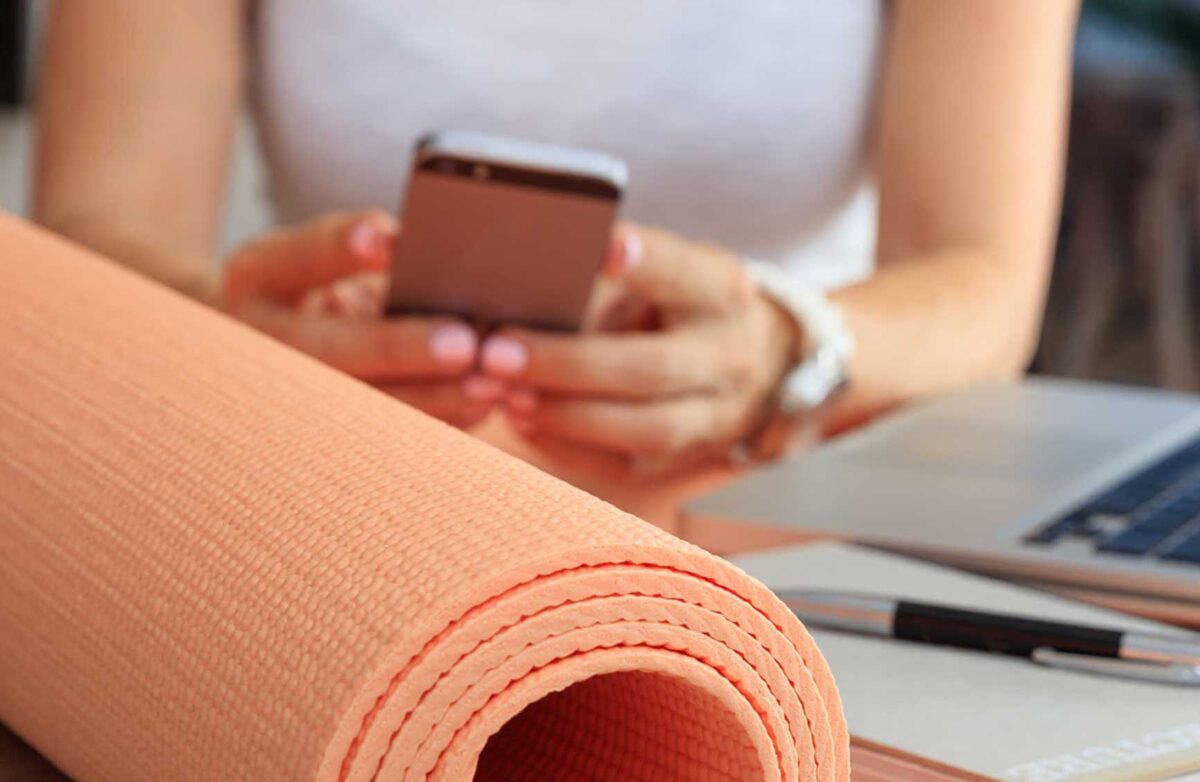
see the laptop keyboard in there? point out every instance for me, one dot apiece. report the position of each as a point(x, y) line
point(1153, 513)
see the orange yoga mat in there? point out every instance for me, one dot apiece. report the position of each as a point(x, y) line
point(221, 560)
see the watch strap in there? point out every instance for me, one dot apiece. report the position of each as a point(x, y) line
point(820, 371)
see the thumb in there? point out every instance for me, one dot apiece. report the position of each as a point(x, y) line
point(681, 276)
point(284, 265)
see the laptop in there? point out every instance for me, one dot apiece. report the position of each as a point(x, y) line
point(1060, 483)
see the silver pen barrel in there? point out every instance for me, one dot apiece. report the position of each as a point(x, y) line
point(1160, 648)
point(1162, 673)
point(851, 613)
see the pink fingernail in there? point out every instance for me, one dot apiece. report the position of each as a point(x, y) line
point(452, 344)
point(481, 388)
point(504, 356)
point(521, 402)
point(368, 242)
point(633, 249)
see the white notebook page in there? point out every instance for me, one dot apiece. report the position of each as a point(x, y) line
point(998, 716)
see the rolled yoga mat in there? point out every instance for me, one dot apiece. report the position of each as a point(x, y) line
point(221, 560)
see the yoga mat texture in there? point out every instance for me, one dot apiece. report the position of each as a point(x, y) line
point(221, 560)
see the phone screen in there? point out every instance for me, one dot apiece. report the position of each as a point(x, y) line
point(498, 244)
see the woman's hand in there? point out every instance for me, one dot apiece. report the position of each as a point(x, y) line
point(320, 288)
point(652, 399)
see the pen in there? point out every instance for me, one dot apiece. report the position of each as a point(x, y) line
point(1132, 654)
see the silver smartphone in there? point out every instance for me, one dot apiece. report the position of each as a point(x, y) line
point(501, 231)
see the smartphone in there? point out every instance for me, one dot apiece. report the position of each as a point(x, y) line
point(504, 232)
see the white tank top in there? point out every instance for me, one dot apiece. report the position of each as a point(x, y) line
point(744, 124)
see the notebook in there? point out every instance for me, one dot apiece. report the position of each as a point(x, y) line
point(930, 713)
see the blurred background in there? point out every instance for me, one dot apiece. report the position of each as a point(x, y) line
point(1123, 302)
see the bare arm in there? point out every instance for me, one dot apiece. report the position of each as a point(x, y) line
point(969, 161)
point(136, 110)
point(970, 148)
point(135, 118)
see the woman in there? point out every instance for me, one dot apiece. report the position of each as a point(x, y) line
point(748, 131)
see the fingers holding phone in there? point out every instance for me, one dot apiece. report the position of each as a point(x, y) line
point(284, 265)
point(633, 347)
point(320, 287)
point(655, 400)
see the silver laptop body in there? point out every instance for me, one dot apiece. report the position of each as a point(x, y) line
point(1020, 480)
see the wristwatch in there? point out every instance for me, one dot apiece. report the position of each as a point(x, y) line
point(820, 372)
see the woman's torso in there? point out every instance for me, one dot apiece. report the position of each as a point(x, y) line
point(744, 124)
